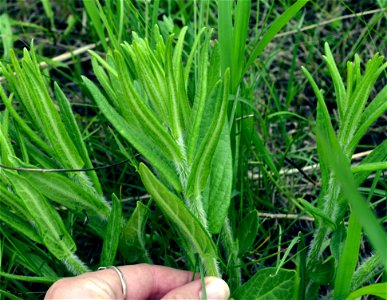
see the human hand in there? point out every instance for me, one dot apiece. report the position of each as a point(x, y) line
point(142, 281)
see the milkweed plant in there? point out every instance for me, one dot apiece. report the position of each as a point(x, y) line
point(171, 104)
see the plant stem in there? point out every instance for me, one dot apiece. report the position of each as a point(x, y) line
point(231, 250)
point(75, 265)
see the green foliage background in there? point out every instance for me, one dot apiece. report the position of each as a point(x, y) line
point(243, 139)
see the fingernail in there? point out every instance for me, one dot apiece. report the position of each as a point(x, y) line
point(216, 289)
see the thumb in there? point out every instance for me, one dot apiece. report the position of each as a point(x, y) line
point(216, 289)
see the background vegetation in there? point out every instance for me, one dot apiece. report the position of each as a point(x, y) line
point(305, 186)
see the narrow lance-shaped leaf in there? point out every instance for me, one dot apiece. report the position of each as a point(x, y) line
point(67, 193)
point(219, 183)
point(360, 97)
point(108, 25)
point(323, 122)
point(337, 82)
point(74, 133)
point(172, 94)
point(130, 132)
point(317, 213)
point(104, 80)
point(18, 224)
point(214, 68)
point(13, 201)
point(368, 269)
point(23, 125)
point(51, 228)
point(151, 76)
point(202, 161)
point(19, 84)
point(112, 233)
point(191, 56)
point(178, 73)
point(54, 130)
point(370, 167)
point(104, 63)
point(374, 110)
point(199, 102)
point(7, 151)
point(177, 53)
point(187, 225)
point(159, 46)
point(146, 117)
point(379, 154)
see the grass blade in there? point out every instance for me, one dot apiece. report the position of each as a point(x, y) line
point(225, 30)
point(6, 35)
point(377, 289)
point(49, 13)
point(241, 26)
point(348, 258)
point(274, 28)
point(92, 11)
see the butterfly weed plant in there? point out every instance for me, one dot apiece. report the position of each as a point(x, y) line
point(338, 196)
point(180, 128)
point(180, 100)
point(47, 139)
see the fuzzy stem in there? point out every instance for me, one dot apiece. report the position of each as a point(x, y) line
point(75, 265)
point(211, 266)
point(231, 250)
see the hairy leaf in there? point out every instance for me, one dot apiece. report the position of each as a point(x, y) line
point(132, 244)
point(266, 286)
point(112, 234)
point(188, 226)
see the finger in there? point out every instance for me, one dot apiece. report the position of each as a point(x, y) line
point(148, 281)
point(216, 289)
point(86, 286)
point(142, 281)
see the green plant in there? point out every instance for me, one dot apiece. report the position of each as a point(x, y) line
point(260, 244)
point(50, 140)
point(355, 116)
point(182, 134)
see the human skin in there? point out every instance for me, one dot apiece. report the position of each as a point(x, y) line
point(143, 281)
